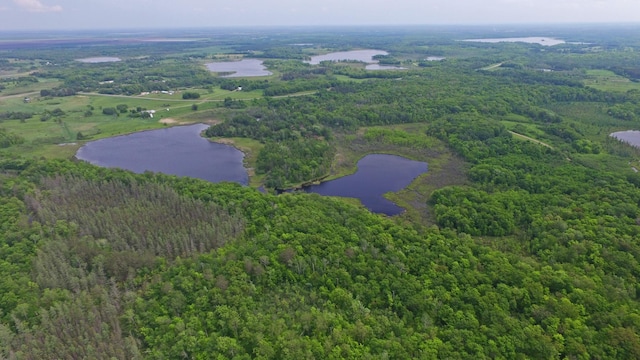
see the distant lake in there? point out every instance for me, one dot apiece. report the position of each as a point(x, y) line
point(353, 55)
point(178, 150)
point(377, 174)
point(530, 40)
point(244, 67)
point(631, 137)
point(435, 58)
point(101, 59)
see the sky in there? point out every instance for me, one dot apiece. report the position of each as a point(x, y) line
point(128, 14)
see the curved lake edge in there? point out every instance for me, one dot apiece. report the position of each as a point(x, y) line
point(300, 187)
point(629, 137)
point(81, 143)
point(227, 141)
point(246, 151)
point(330, 177)
point(370, 194)
point(245, 67)
point(375, 197)
point(358, 55)
point(180, 150)
point(99, 59)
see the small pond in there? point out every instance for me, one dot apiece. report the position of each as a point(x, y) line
point(353, 55)
point(631, 137)
point(377, 174)
point(244, 67)
point(177, 150)
point(546, 41)
point(101, 59)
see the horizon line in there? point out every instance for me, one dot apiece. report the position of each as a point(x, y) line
point(315, 26)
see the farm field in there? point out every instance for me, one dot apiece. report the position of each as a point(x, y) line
point(520, 241)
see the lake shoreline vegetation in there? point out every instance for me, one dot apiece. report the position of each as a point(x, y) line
point(521, 241)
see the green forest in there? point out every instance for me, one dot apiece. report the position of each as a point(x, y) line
point(522, 241)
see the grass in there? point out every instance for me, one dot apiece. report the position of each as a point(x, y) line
point(14, 89)
point(527, 138)
point(42, 137)
point(593, 121)
point(606, 80)
point(492, 67)
point(606, 162)
point(216, 50)
point(57, 137)
point(250, 148)
point(444, 168)
point(347, 78)
point(528, 129)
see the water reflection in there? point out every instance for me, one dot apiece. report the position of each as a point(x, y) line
point(365, 56)
point(178, 151)
point(377, 174)
point(244, 67)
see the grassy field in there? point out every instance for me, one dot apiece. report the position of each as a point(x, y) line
point(444, 167)
point(347, 78)
point(80, 118)
point(492, 67)
point(606, 80)
point(593, 118)
point(42, 138)
point(525, 128)
point(212, 51)
point(250, 148)
point(18, 89)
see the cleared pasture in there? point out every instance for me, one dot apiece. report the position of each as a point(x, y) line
point(606, 80)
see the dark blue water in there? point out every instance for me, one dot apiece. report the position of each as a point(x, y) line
point(177, 150)
point(377, 174)
point(182, 151)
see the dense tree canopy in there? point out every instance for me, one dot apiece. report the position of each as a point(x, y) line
point(534, 256)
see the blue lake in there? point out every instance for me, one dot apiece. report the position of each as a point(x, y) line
point(541, 40)
point(244, 67)
point(365, 56)
point(100, 59)
point(181, 151)
point(178, 150)
point(377, 174)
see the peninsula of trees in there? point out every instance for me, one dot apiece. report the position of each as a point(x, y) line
point(522, 241)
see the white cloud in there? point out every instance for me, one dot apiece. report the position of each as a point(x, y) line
point(37, 6)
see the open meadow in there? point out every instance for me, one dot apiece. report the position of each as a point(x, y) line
point(520, 241)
